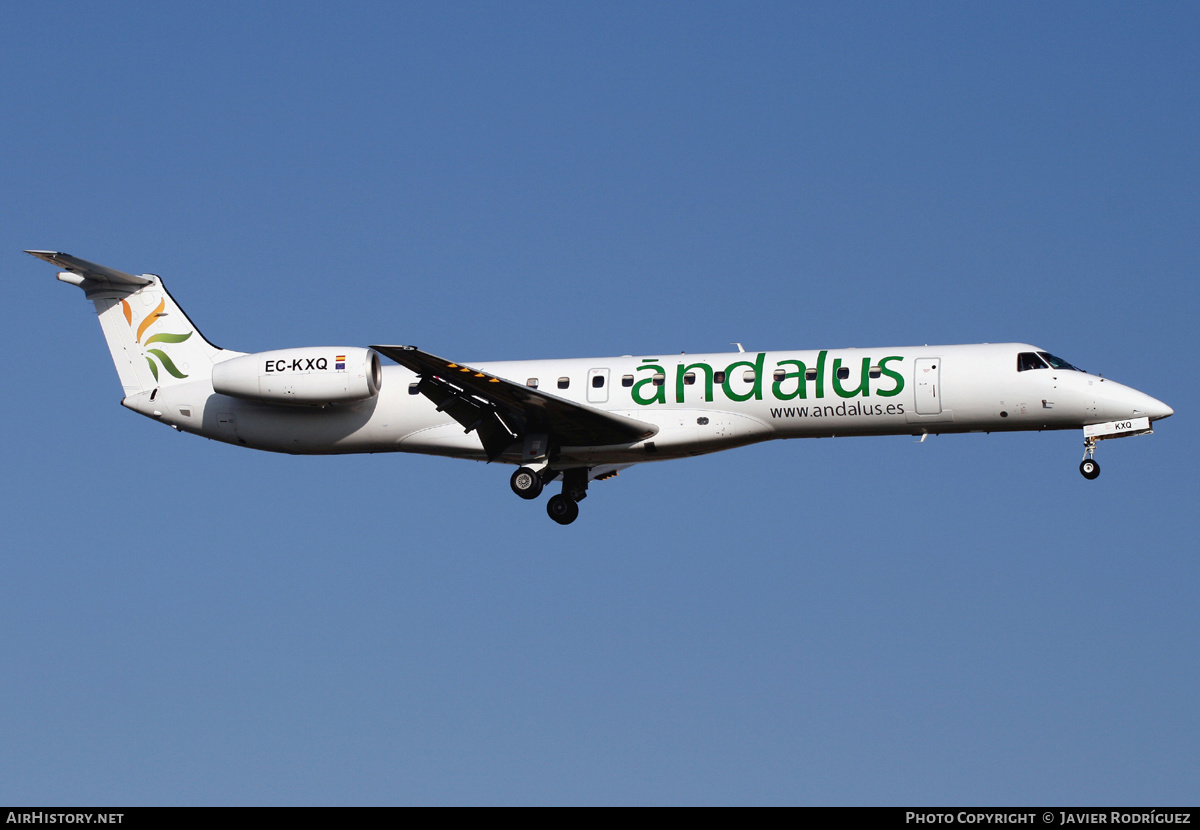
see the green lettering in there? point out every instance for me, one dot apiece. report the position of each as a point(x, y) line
point(777, 386)
point(659, 394)
point(894, 375)
point(862, 384)
point(708, 380)
point(821, 373)
point(756, 392)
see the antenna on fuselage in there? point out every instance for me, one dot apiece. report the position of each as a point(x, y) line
point(740, 347)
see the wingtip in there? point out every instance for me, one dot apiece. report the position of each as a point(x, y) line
point(46, 255)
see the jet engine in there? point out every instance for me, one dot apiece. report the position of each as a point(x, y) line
point(310, 377)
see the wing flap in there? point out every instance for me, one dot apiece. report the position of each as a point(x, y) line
point(472, 413)
point(504, 408)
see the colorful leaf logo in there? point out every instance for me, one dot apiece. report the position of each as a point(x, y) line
point(162, 337)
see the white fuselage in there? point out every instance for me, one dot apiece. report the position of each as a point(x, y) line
point(700, 403)
point(581, 419)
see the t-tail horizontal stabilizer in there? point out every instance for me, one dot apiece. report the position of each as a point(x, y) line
point(90, 270)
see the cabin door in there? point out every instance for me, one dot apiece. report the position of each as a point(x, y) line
point(928, 387)
point(597, 386)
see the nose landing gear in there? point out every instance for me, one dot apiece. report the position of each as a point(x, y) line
point(1102, 432)
point(1088, 467)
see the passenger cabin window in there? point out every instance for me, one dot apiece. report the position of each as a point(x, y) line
point(779, 374)
point(689, 378)
point(718, 377)
point(597, 381)
point(843, 373)
point(811, 374)
point(874, 372)
point(627, 380)
point(659, 378)
point(532, 383)
point(748, 376)
point(564, 383)
point(412, 388)
point(1029, 360)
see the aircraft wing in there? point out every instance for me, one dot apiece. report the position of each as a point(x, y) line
point(89, 270)
point(503, 412)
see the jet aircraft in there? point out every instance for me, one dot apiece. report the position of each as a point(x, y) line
point(582, 419)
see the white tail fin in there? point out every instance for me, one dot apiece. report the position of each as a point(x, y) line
point(153, 343)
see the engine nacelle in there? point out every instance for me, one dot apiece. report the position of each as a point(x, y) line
point(314, 376)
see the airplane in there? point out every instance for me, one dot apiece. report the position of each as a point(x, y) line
point(583, 419)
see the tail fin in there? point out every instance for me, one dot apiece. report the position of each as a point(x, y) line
point(153, 343)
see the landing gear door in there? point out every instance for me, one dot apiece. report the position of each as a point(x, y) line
point(928, 386)
point(597, 386)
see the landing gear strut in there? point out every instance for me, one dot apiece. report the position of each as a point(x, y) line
point(1088, 466)
point(564, 507)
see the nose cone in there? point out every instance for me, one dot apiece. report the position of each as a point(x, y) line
point(1115, 402)
point(1140, 405)
point(1156, 409)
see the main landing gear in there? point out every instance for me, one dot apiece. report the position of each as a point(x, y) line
point(562, 509)
point(527, 483)
point(1088, 466)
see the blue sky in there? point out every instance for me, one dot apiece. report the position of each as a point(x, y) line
point(847, 621)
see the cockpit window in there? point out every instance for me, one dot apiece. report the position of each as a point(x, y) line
point(1029, 360)
point(1058, 362)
